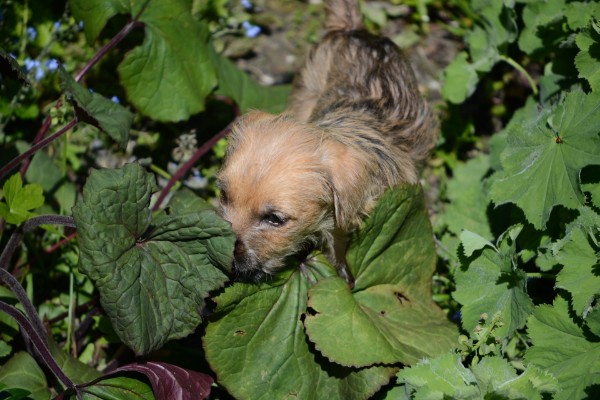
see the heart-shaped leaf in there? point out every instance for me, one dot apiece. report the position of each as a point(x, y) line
point(389, 316)
point(152, 273)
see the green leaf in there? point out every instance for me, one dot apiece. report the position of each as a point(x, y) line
point(489, 283)
point(587, 60)
point(95, 109)
point(19, 200)
point(537, 15)
point(440, 377)
point(541, 172)
point(580, 13)
point(467, 197)
point(389, 316)
point(247, 93)
point(577, 275)
point(563, 348)
point(152, 273)
point(491, 378)
point(472, 242)
point(9, 67)
point(460, 79)
point(257, 346)
point(117, 388)
point(22, 372)
point(170, 74)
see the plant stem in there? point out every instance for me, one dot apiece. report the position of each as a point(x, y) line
point(38, 342)
point(522, 70)
point(40, 145)
point(189, 164)
point(108, 47)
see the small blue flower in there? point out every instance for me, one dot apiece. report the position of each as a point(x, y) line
point(31, 33)
point(80, 24)
point(57, 26)
point(39, 73)
point(31, 64)
point(252, 31)
point(115, 99)
point(247, 4)
point(52, 65)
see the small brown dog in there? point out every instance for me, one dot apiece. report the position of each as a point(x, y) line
point(356, 126)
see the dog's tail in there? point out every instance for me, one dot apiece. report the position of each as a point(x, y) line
point(343, 15)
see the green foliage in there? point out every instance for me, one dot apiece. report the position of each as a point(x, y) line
point(544, 156)
point(577, 363)
point(19, 200)
point(514, 192)
point(157, 269)
point(97, 110)
point(388, 317)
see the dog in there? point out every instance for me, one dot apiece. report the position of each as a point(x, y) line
point(356, 126)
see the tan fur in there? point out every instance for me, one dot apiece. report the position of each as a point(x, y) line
point(356, 126)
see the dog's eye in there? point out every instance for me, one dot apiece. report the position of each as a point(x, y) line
point(273, 219)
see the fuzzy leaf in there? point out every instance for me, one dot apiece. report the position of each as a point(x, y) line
point(389, 316)
point(247, 93)
point(20, 200)
point(152, 274)
point(22, 372)
point(441, 377)
point(467, 198)
point(170, 74)
point(538, 14)
point(472, 242)
point(577, 275)
point(488, 283)
point(257, 346)
point(95, 109)
point(587, 60)
point(460, 79)
point(539, 171)
point(491, 378)
point(564, 349)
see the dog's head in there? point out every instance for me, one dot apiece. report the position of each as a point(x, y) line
point(280, 189)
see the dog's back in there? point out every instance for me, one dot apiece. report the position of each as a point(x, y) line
point(359, 87)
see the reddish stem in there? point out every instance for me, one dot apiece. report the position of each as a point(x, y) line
point(189, 164)
point(37, 146)
point(60, 243)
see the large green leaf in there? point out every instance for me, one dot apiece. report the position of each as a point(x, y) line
point(488, 282)
point(170, 74)
point(97, 110)
point(247, 93)
point(22, 372)
point(565, 350)
point(542, 171)
point(389, 316)
point(257, 346)
point(152, 273)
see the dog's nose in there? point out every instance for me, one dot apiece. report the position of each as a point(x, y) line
point(239, 248)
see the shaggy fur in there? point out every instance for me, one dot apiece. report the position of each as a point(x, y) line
point(356, 126)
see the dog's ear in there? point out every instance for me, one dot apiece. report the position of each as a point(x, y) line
point(346, 169)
